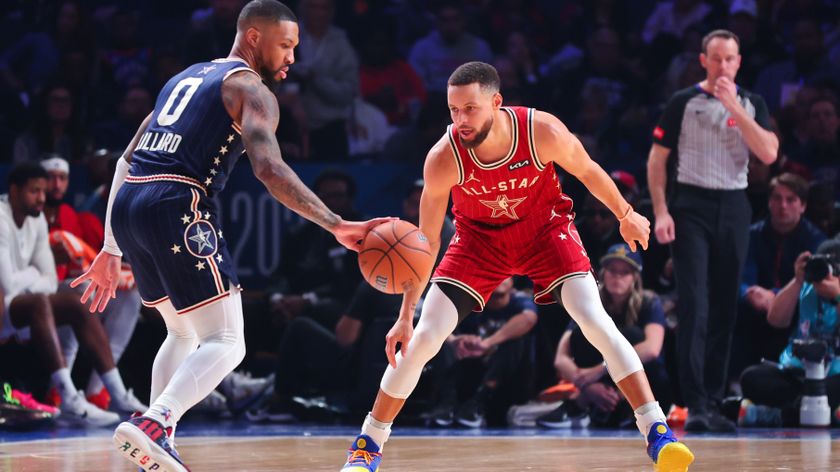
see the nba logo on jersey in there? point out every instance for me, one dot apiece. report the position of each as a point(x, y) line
point(200, 239)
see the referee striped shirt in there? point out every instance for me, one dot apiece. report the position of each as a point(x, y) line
point(710, 150)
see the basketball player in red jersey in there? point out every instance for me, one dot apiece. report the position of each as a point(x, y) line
point(511, 217)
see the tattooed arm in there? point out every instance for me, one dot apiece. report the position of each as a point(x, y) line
point(254, 107)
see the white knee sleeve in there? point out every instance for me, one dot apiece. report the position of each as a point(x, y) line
point(220, 331)
point(180, 342)
point(438, 320)
point(582, 301)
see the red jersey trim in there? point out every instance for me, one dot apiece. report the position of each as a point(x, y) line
point(532, 144)
point(514, 124)
point(449, 134)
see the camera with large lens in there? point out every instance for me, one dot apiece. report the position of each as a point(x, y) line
point(820, 266)
point(814, 409)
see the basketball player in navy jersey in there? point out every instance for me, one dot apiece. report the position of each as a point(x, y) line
point(511, 218)
point(161, 214)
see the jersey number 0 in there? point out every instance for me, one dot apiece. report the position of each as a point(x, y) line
point(165, 118)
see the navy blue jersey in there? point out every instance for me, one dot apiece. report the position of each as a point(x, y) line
point(191, 133)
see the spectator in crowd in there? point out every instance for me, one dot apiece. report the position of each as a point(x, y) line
point(492, 349)
point(823, 209)
point(74, 238)
point(33, 60)
point(435, 56)
point(317, 275)
point(821, 150)
point(55, 128)
point(673, 18)
point(35, 310)
point(409, 144)
point(598, 228)
point(126, 59)
point(775, 242)
point(779, 82)
point(811, 308)
point(212, 31)
point(327, 72)
point(712, 127)
point(386, 80)
point(357, 340)
point(639, 316)
point(116, 132)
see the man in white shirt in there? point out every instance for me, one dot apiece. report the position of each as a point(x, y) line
point(28, 280)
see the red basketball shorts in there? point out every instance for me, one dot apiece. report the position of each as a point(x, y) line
point(480, 257)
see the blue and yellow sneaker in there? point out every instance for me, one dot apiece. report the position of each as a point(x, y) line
point(668, 454)
point(363, 456)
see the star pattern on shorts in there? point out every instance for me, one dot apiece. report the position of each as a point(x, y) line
point(199, 265)
point(216, 160)
point(456, 239)
point(220, 234)
point(219, 258)
point(206, 215)
point(230, 138)
point(175, 249)
point(213, 172)
point(185, 219)
point(208, 181)
point(563, 236)
point(223, 150)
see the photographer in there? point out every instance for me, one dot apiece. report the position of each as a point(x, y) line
point(818, 296)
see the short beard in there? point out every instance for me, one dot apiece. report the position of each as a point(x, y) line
point(53, 202)
point(268, 75)
point(479, 136)
point(33, 212)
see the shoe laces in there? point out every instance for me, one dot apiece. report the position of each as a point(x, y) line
point(357, 456)
point(7, 394)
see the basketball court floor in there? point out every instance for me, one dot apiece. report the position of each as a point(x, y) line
point(242, 446)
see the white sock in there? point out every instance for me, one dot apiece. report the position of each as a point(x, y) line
point(647, 415)
point(113, 383)
point(377, 430)
point(166, 410)
point(61, 380)
point(94, 385)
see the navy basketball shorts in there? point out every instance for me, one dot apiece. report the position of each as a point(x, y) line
point(169, 233)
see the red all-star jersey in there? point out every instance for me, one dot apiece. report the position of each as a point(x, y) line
point(517, 187)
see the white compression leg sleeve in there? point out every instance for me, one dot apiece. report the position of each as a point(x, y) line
point(220, 330)
point(438, 320)
point(180, 342)
point(582, 301)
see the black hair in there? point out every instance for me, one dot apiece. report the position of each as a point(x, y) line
point(476, 72)
point(266, 10)
point(22, 173)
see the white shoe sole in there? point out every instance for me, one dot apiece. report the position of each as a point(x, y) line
point(135, 446)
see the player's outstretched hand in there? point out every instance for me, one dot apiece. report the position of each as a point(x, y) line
point(104, 278)
point(635, 228)
point(351, 233)
point(401, 333)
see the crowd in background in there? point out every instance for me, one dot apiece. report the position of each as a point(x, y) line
point(368, 86)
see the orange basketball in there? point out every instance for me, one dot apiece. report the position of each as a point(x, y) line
point(394, 256)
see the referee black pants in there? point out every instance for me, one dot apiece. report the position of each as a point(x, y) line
point(712, 235)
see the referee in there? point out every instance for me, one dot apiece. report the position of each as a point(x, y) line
point(713, 126)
